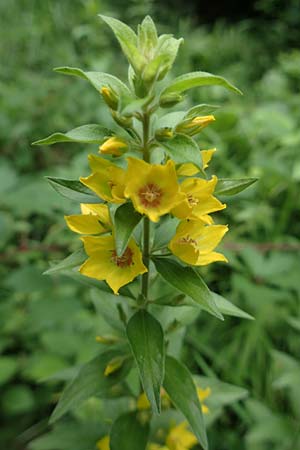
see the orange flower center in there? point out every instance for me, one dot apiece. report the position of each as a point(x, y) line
point(123, 261)
point(187, 240)
point(192, 200)
point(150, 195)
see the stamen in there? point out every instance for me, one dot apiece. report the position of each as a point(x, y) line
point(192, 200)
point(123, 261)
point(150, 195)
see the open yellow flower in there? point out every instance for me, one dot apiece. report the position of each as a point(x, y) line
point(194, 242)
point(152, 188)
point(189, 169)
point(107, 179)
point(113, 146)
point(103, 444)
point(178, 438)
point(198, 201)
point(93, 220)
point(104, 264)
point(203, 394)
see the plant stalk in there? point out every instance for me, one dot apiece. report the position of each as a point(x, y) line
point(146, 229)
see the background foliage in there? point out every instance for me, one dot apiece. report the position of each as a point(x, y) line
point(48, 324)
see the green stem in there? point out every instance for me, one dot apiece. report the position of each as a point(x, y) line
point(146, 230)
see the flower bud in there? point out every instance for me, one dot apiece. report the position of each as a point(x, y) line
point(110, 97)
point(113, 146)
point(169, 100)
point(195, 125)
point(163, 134)
point(125, 122)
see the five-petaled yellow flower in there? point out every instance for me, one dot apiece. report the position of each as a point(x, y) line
point(194, 242)
point(178, 438)
point(107, 179)
point(152, 188)
point(198, 200)
point(93, 220)
point(104, 264)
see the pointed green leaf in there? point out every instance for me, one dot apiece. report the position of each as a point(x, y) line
point(147, 35)
point(125, 219)
point(229, 186)
point(146, 339)
point(73, 190)
point(128, 433)
point(127, 40)
point(181, 389)
point(189, 282)
point(182, 149)
point(88, 134)
point(98, 80)
point(90, 381)
point(75, 259)
point(197, 79)
point(200, 110)
point(229, 309)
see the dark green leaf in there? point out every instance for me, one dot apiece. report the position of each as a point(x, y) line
point(126, 219)
point(128, 433)
point(75, 259)
point(229, 309)
point(146, 338)
point(90, 381)
point(200, 110)
point(197, 79)
point(88, 134)
point(98, 80)
point(182, 149)
point(180, 387)
point(228, 186)
point(189, 282)
point(73, 190)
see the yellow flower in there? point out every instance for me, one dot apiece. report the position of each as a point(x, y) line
point(143, 402)
point(189, 169)
point(202, 395)
point(110, 97)
point(195, 125)
point(103, 444)
point(195, 241)
point(107, 180)
point(199, 200)
point(180, 438)
point(113, 146)
point(93, 220)
point(104, 264)
point(152, 188)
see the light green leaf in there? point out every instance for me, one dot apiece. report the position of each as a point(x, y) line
point(126, 218)
point(128, 433)
point(147, 35)
point(197, 79)
point(181, 389)
point(229, 309)
point(75, 259)
point(182, 149)
point(98, 80)
point(228, 186)
point(189, 282)
point(146, 339)
point(90, 381)
point(200, 110)
point(88, 134)
point(127, 40)
point(73, 190)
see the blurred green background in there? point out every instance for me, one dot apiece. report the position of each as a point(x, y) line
point(49, 324)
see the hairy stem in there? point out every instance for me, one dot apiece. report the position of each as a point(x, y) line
point(146, 230)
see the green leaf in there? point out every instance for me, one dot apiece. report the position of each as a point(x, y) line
point(229, 186)
point(182, 149)
point(197, 79)
point(98, 80)
point(128, 433)
point(90, 381)
point(146, 338)
point(75, 259)
point(189, 282)
point(127, 40)
point(200, 110)
point(229, 309)
point(126, 219)
point(73, 190)
point(181, 389)
point(88, 134)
